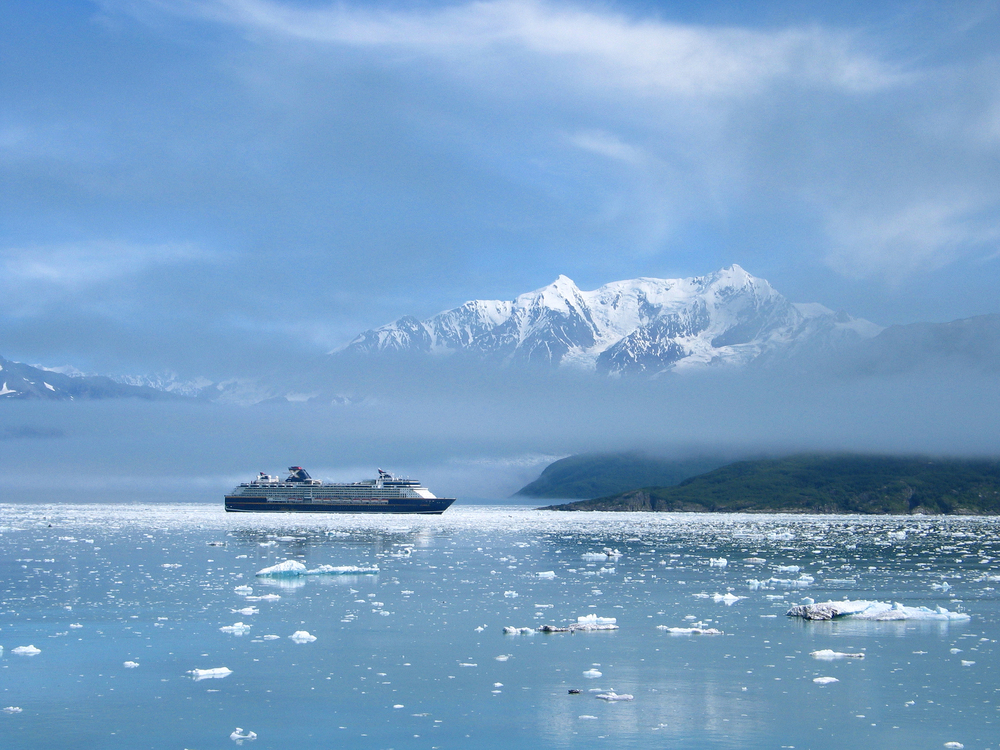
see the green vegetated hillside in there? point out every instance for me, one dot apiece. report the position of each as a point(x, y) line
point(597, 475)
point(824, 484)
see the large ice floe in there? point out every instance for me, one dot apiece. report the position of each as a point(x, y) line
point(863, 609)
point(584, 623)
point(216, 673)
point(697, 630)
point(293, 569)
point(828, 654)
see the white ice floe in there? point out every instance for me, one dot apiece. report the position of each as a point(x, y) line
point(593, 622)
point(131, 664)
point(828, 653)
point(510, 594)
point(216, 673)
point(293, 569)
point(26, 651)
point(270, 637)
point(246, 611)
point(264, 598)
point(238, 735)
point(547, 574)
point(611, 696)
point(12, 709)
point(871, 610)
point(75, 625)
point(787, 569)
point(728, 599)
point(243, 589)
point(586, 716)
point(593, 674)
point(718, 562)
point(302, 636)
point(503, 657)
point(510, 630)
point(954, 745)
point(237, 628)
point(606, 554)
point(755, 561)
point(825, 680)
point(966, 663)
point(690, 631)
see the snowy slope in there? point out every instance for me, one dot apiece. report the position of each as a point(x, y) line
point(644, 325)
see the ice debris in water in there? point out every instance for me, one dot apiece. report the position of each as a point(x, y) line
point(216, 673)
point(954, 745)
point(237, 628)
point(718, 562)
point(12, 709)
point(606, 554)
point(302, 636)
point(547, 574)
point(593, 674)
point(825, 680)
point(612, 696)
point(247, 611)
point(584, 623)
point(243, 589)
point(728, 599)
point(871, 610)
point(130, 664)
point(690, 631)
point(26, 651)
point(509, 630)
point(828, 653)
point(239, 737)
point(293, 569)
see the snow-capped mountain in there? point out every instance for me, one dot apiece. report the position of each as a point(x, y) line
point(19, 381)
point(645, 325)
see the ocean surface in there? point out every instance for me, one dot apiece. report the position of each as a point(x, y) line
point(123, 604)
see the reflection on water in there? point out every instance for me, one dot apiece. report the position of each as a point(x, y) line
point(415, 656)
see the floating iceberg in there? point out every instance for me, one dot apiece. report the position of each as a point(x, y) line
point(690, 631)
point(216, 673)
point(871, 610)
point(606, 554)
point(612, 696)
point(827, 654)
point(593, 674)
point(718, 562)
point(238, 735)
point(130, 664)
point(294, 569)
point(728, 599)
point(12, 709)
point(26, 651)
point(509, 630)
point(547, 574)
point(302, 636)
point(247, 611)
point(825, 680)
point(237, 628)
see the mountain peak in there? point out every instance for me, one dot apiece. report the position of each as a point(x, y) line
point(645, 325)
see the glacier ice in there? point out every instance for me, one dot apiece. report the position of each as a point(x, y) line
point(827, 653)
point(302, 636)
point(130, 664)
point(26, 651)
point(215, 673)
point(593, 674)
point(825, 680)
point(611, 696)
point(293, 569)
point(237, 628)
point(239, 737)
point(871, 610)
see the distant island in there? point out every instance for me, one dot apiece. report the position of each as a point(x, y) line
point(823, 484)
point(589, 475)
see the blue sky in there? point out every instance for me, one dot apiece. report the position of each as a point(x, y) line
point(211, 187)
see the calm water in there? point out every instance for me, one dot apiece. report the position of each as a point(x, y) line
point(415, 656)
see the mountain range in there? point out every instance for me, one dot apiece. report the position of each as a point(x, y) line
point(640, 326)
point(729, 320)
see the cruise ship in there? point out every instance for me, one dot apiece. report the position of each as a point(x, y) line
point(300, 493)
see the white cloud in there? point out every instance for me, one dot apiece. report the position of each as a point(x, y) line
point(77, 265)
point(923, 236)
point(650, 57)
point(607, 144)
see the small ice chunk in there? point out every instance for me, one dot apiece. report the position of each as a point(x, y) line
point(286, 569)
point(690, 631)
point(788, 569)
point(718, 562)
point(509, 630)
point(503, 657)
point(547, 574)
point(825, 680)
point(26, 651)
point(827, 653)
point(75, 625)
point(270, 637)
point(243, 589)
point(586, 716)
point(238, 736)
point(949, 745)
point(12, 709)
point(302, 636)
point(247, 611)
point(755, 560)
point(510, 594)
point(729, 599)
point(216, 673)
point(966, 663)
point(237, 628)
point(593, 674)
point(611, 696)
point(130, 664)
